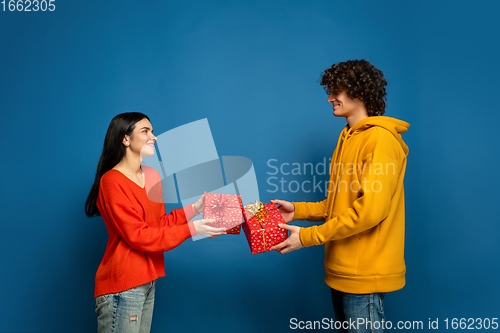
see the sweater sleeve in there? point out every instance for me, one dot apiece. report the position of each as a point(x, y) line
point(309, 211)
point(179, 216)
point(138, 235)
point(155, 193)
point(371, 208)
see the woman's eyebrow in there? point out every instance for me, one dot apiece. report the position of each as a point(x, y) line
point(145, 128)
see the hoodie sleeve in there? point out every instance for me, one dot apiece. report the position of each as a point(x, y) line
point(377, 185)
point(309, 211)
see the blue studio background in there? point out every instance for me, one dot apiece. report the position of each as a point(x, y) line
point(252, 69)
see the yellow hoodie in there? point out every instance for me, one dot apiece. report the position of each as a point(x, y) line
point(364, 210)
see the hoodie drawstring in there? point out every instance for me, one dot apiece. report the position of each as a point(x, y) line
point(331, 198)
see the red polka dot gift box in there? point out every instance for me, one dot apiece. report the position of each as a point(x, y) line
point(225, 209)
point(261, 226)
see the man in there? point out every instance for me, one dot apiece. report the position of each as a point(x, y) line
point(364, 212)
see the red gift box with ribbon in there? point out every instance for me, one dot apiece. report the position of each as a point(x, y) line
point(225, 209)
point(261, 226)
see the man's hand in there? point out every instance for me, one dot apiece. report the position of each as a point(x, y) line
point(291, 243)
point(286, 208)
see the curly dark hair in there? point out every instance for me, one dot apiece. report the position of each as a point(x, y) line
point(359, 79)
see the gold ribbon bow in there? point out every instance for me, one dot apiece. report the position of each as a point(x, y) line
point(257, 210)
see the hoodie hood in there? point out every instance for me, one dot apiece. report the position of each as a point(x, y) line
point(393, 125)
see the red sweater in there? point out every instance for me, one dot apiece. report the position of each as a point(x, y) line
point(139, 231)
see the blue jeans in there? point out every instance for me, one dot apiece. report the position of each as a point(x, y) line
point(129, 311)
point(359, 313)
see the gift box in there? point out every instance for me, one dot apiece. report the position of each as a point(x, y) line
point(261, 226)
point(225, 209)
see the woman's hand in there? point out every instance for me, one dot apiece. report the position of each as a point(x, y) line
point(286, 208)
point(198, 206)
point(205, 230)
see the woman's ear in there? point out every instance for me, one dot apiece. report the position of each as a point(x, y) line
point(126, 140)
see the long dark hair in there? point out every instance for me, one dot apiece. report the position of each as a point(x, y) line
point(112, 153)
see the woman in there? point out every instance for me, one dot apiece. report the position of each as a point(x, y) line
point(139, 228)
